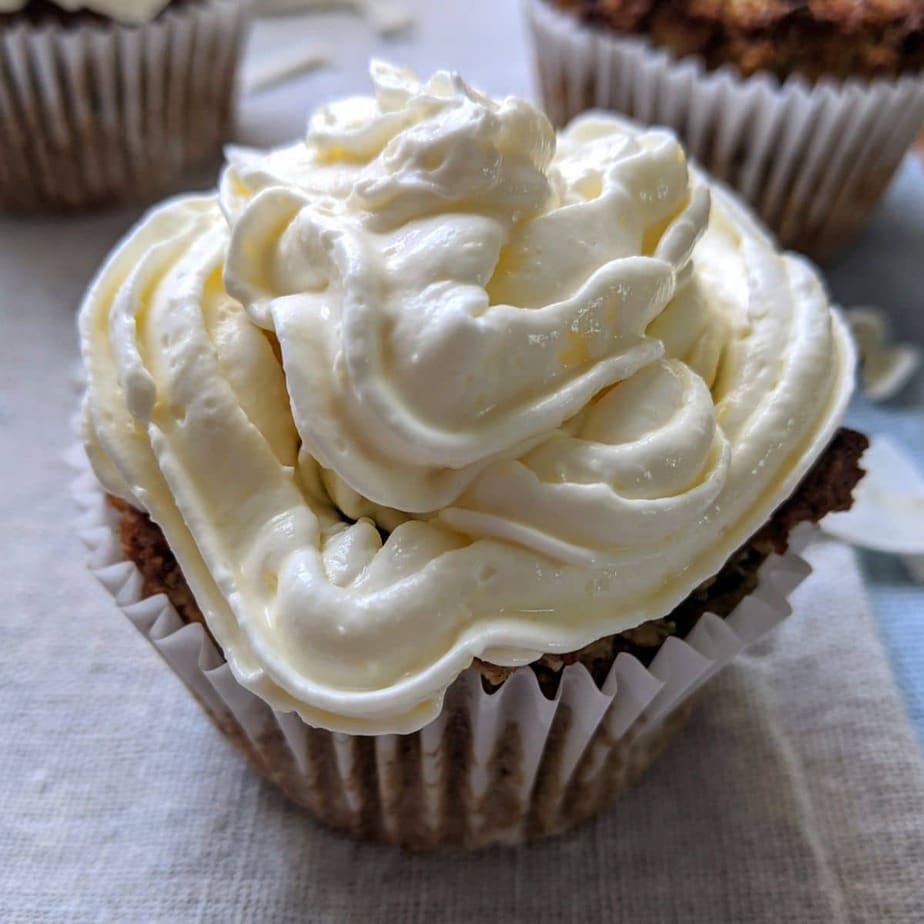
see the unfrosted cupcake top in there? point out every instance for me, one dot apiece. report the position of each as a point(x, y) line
point(435, 384)
point(127, 11)
point(814, 38)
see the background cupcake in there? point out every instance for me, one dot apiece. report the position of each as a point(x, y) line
point(109, 101)
point(805, 108)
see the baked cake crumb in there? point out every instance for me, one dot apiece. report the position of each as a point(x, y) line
point(814, 38)
point(827, 487)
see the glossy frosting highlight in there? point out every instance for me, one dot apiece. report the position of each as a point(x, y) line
point(435, 384)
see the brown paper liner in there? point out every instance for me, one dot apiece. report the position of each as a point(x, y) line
point(495, 767)
point(101, 114)
point(389, 801)
point(812, 159)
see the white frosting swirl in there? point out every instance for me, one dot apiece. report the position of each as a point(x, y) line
point(434, 319)
point(128, 11)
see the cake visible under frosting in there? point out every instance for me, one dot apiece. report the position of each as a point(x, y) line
point(434, 384)
point(127, 11)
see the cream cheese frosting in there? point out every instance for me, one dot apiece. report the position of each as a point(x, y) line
point(435, 384)
point(128, 11)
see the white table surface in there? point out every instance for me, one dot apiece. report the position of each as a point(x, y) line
point(118, 802)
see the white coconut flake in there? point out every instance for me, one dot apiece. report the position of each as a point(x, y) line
point(888, 508)
point(264, 73)
point(885, 368)
point(385, 16)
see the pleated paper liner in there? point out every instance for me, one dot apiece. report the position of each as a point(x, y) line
point(493, 768)
point(813, 160)
point(101, 113)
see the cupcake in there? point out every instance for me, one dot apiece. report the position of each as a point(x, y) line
point(444, 458)
point(109, 101)
point(805, 108)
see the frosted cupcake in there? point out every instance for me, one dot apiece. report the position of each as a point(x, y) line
point(111, 101)
point(805, 108)
point(464, 453)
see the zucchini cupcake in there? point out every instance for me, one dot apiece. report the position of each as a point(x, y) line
point(806, 108)
point(104, 102)
point(444, 458)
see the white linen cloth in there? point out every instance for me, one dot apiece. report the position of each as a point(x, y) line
point(796, 794)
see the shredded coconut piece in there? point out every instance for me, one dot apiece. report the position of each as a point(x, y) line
point(885, 368)
point(385, 16)
point(269, 72)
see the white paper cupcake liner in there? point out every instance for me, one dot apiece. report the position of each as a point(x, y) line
point(493, 768)
point(813, 160)
point(101, 113)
